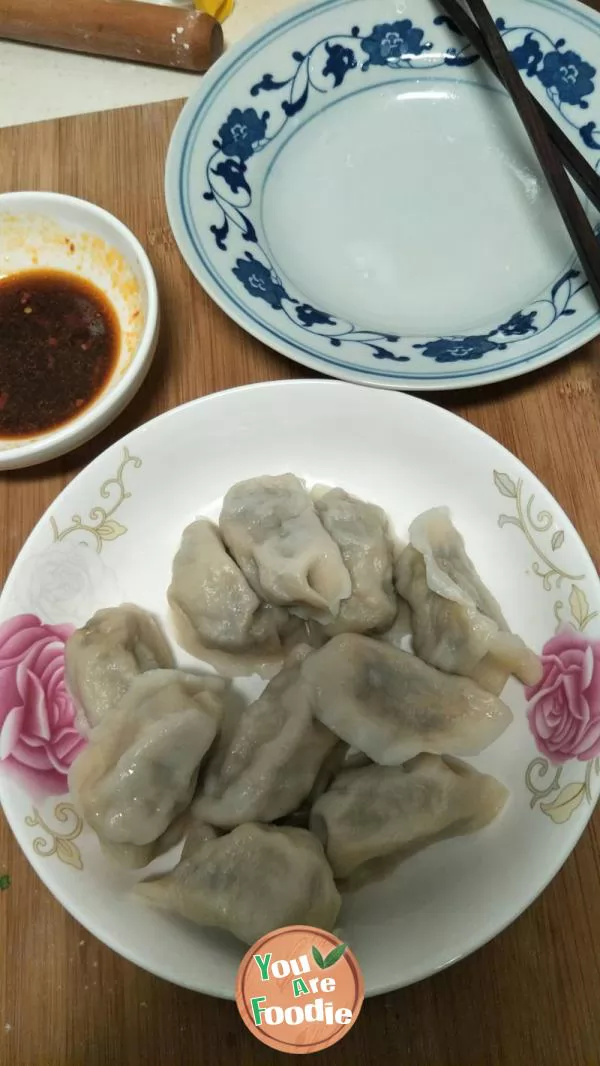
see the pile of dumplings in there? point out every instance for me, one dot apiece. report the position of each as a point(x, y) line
point(386, 664)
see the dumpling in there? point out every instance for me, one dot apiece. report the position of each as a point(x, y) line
point(140, 769)
point(341, 757)
point(253, 880)
point(103, 657)
point(400, 634)
point(391, 705)
point(361, 532)
point(271, 528)
point(217, 616)
point(371, 818)
point(185, 826)
point(135, 856)
point(457, 624)
point(270, 762)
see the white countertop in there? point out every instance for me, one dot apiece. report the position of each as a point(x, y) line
point(40, 83)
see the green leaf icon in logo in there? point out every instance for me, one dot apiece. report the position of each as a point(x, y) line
point(334, 955)
point(316, 954)
point(330, 960)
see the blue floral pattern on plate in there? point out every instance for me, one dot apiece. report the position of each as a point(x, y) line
point(565, 75)
point(344, 59)
point(392, 44)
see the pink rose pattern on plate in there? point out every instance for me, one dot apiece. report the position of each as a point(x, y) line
point(38, 736)
point(564, 707)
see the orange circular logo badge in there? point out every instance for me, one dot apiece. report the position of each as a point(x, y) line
point(299, 989)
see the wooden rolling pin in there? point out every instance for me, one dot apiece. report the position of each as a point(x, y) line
point(121, 29)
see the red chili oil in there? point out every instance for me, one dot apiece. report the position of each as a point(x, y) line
point(59, 344)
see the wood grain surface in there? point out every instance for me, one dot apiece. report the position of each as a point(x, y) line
point(529, 998)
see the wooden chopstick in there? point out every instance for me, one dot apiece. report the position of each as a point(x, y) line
point(573, 214)
point(581, 171)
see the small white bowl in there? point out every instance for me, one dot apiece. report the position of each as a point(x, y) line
point(47, 230)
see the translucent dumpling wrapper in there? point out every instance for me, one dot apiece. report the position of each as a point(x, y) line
point(371, 818)
point(217, 615)
point(136, 856)
point(250, 881)
point(457, 624)
point(266, 765)
point(187, 827)
point(107, 653)
point(362, 534)
point(399, 635)
point(271, 528)
point(139, 772)
point(392, 706)
point(341, 757)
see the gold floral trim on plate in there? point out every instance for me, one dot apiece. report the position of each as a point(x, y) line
point(556, 799)
point(541, 523)
point(61, 843)
point(569, 798)
point(101, 525)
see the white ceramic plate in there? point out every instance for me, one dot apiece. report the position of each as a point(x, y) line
point(353, 187)
point(111, 536)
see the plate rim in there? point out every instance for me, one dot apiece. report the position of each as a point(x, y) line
point(230, 63)
point(70, 901)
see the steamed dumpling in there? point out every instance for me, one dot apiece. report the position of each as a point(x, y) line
point(139, 772)
point(217, 616)
point(361, 532)
point(400, 635)
point(341, 757)
point(391, 705)
point(457, 624)
point(271, 528)
point(135, 856)
point(107, 653)
point(270, 760)
point(253, 880)
point(369, 819)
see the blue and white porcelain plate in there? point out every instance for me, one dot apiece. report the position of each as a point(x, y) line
point(354, 188)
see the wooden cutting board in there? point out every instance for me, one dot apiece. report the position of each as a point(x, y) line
point(530, 998)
